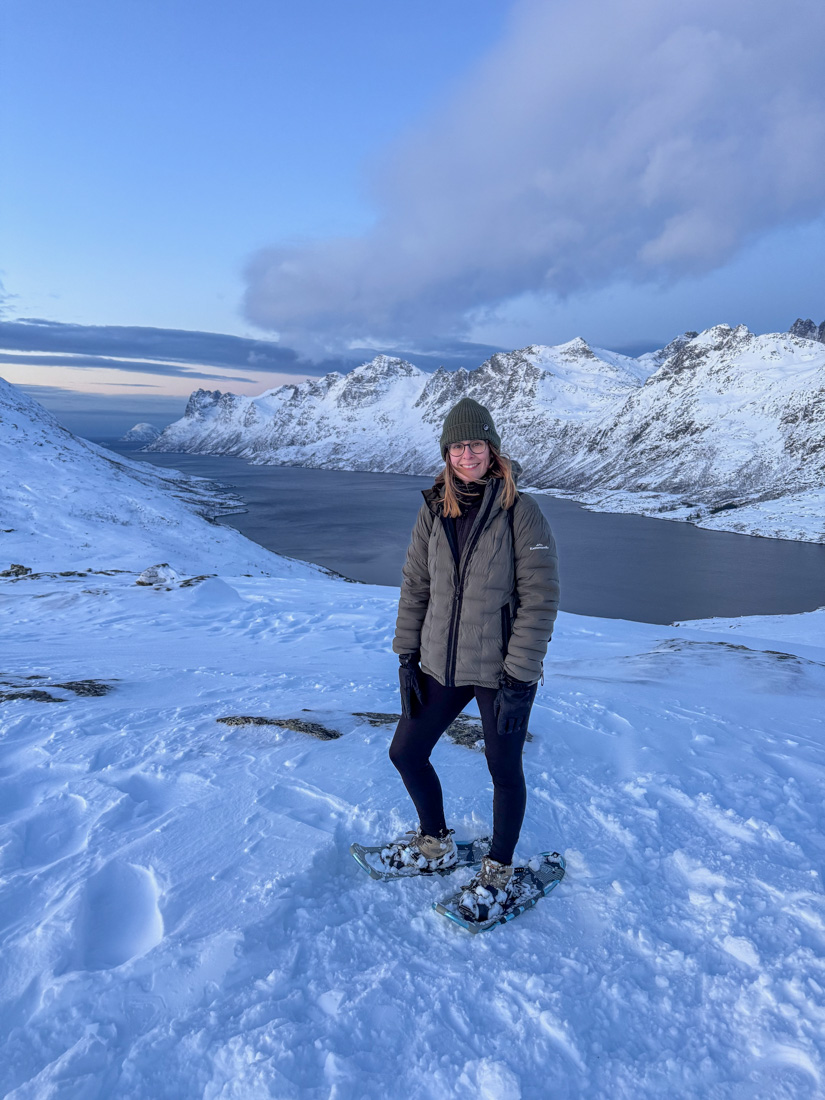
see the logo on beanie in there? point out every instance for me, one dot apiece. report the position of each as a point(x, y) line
point(486, 429)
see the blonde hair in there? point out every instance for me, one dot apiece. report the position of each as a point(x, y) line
point(453, 487)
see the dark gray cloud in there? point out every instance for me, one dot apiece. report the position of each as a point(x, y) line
point(211, 349)
point(602, 139)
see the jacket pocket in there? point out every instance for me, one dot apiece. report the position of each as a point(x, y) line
point(506, 627)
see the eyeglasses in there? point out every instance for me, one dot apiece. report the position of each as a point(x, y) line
point(476, 446)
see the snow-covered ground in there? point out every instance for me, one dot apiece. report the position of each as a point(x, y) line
point(181, 917)
point(66, 503)
point(179, 914)
point(797, 516)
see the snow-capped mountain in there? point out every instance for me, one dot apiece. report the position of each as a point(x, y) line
point(728, 415)
point(808, 330)
point(387, 414)
point(713, 421)
point(140, 433)
point(66, 503)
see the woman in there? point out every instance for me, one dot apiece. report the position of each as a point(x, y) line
point(478, 602)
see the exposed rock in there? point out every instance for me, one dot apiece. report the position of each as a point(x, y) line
point(467, 732)
point(33, 694)
point(93, 688)
point(298, 725)
point(464, 730)
point(808, 330)
point(15, 571)
point(377, 718)
point(20, 690)
point(162, 575)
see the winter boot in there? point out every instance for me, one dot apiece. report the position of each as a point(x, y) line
point(489, 892)
point(421, 853)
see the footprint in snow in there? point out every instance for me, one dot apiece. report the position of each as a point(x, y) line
point(58, 828)
point(150, 796)
point(119, 916)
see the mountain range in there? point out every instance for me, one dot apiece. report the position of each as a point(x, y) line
point(716, 423)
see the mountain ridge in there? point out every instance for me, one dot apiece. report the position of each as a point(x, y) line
point(718, 418)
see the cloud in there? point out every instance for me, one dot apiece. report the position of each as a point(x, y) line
point(180, 353)
point(166, 347)
point(98, 362)
point(600, 140)
point(167, 352)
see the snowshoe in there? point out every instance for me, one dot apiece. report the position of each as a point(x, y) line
point(478, 907)
point(404, 858)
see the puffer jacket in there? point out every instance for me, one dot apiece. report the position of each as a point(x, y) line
point(492, 612)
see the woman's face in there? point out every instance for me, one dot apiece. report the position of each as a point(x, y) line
point(469, 464)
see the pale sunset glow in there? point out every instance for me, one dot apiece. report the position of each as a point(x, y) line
point(106, 380)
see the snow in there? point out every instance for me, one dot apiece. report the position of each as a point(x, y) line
point(66, 503)
point(804, 629)
point(182, 917)
point(179, 914)
point(798, 516)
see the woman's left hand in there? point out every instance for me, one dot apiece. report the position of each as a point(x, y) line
point(410, 676)
point(512, 706)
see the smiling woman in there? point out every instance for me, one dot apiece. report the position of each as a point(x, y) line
point(478, 602)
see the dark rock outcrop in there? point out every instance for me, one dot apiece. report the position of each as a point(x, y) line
point(808, 330)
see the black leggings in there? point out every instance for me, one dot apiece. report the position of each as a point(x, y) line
point(414, 740)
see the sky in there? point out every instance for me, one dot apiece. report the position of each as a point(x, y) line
point(327, 180)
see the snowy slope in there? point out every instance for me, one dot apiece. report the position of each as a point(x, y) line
point(180, 918)
point(179, 915)
point(724, 428)
point(730, 413)
point(66, 503)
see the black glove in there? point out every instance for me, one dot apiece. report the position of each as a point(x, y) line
point(512, 705)
point(411, 684)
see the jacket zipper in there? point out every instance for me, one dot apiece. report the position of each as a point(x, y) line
point(506, 627)
point(452, 638)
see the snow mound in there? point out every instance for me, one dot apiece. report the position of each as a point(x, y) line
point(213, 594)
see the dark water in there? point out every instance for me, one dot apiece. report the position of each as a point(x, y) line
point(619, 566)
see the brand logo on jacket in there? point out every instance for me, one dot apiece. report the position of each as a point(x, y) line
point(540, 546)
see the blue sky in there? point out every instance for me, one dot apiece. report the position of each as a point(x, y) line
point(154, 144)
point(407, 176)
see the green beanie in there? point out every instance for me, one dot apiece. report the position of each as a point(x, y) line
point(468, 420)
